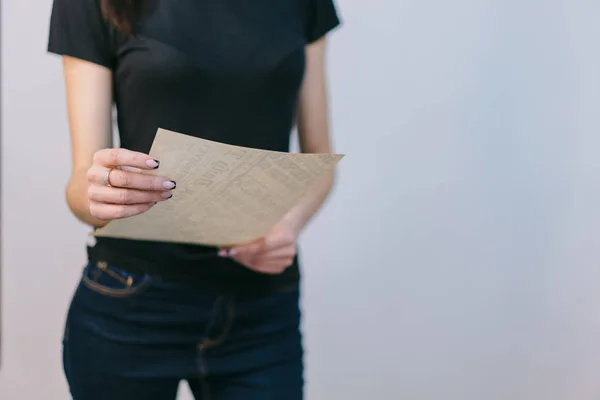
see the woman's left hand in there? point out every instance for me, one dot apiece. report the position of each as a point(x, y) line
point(272, 254)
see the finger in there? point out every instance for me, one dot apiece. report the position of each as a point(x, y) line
point(241, 249)
point(284, 256)
point(272, 267)
point(275, 254)
point(114, 195)
point(275, 266)
point(277, 238)
point(105, 211)
point(266, 245)
point(130, 169)
point(123, 157)
point(254, 248)
point(130, 180)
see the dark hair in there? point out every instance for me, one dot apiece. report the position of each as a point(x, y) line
point(123, 14)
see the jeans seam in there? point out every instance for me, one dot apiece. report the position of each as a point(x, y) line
point(203, 372)
point(209, 343)
point(103, 267)
point(201, 362)
point(130, 291)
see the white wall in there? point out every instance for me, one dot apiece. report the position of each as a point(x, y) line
point(458, 258)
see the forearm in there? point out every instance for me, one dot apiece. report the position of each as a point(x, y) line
point(303, 212)
point(313, 134)
point(77, 199)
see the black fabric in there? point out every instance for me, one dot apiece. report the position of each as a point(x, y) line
point(224, 70)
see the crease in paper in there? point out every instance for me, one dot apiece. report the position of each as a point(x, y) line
point(225, 194)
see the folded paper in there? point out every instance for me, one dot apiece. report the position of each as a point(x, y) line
point(225, 194)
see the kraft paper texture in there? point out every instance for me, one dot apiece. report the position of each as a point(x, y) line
point(225, 194)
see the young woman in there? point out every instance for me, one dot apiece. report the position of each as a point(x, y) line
point(147, 315)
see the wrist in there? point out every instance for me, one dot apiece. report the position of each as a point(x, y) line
point(292, 224)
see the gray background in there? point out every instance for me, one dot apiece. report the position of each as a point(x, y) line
point(458, 256)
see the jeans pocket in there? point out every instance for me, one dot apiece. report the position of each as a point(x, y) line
point(111, 281)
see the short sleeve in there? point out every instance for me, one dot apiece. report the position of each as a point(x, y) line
point(78, 29)
point(321, 17)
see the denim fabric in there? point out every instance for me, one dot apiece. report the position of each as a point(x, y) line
point(133, 337)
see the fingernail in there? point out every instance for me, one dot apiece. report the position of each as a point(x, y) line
point(169, 185)
point(232, 252)
point(153, 203)
point(153, 163)
point(223, 253)
point(167, 195)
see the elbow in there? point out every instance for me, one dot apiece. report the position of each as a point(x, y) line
point(73, 190)
point(77, 201)
point(329, 181)
point(73, 198)
point(69, 194)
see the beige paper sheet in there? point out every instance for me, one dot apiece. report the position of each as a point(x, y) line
point(225, 194)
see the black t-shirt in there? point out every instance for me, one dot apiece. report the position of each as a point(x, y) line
point(223, 70)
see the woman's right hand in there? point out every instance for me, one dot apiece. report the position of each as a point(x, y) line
point(128, 192)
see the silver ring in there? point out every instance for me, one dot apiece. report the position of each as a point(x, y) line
point(107, 176)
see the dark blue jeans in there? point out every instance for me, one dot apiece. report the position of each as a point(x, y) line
point(136, 337)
